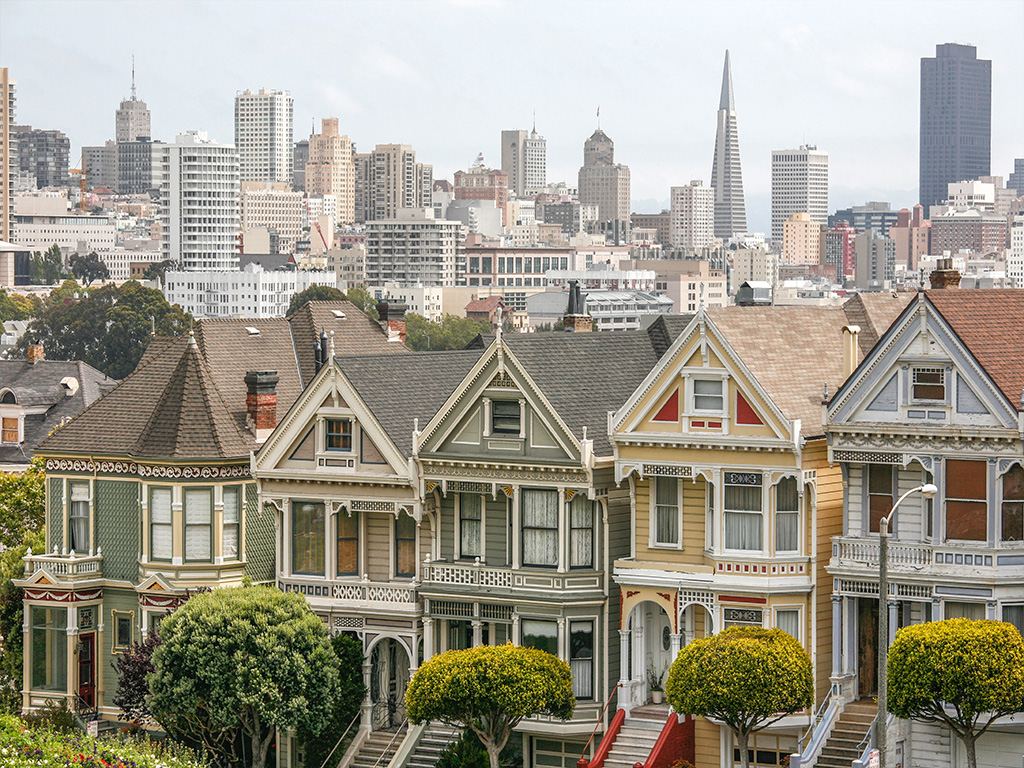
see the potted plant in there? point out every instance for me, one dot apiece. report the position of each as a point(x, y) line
point(655, 677)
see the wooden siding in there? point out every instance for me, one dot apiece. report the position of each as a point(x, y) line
point(828, 523)
point(378, 546)
point(707, 743)
point(694, 503)
point(496, 530)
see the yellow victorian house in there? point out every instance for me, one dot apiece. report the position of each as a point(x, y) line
point(733, 500)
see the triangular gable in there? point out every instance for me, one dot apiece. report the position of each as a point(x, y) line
point(157, 583)
point(700, 347)
point(880, 389)
point(329, 388)
point(459, 425)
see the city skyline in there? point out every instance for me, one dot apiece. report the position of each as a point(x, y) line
point(657, 82)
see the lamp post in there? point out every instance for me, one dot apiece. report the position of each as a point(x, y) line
point(928, 490)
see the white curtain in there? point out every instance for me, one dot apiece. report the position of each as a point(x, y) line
point(540, 527)
point(581, 543)
point(197, 525)
point(787, 516)
point(80, 518)
point(666, 494)
point(788, 622)
point(160, 523)
point(232, 515)
point(743, 517)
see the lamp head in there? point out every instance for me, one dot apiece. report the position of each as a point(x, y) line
point(928, 490)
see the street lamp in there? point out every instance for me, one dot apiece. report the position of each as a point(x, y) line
point(928, 490)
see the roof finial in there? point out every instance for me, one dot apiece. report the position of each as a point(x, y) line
point(192, 340)
point(599, 117)
point(535, 120)
point(332, 345)
point(133, 76)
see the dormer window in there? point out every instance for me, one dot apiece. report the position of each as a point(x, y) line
point(929, 384)
point(11, 430)
point(707, 396)
point(506, 417)
point(339, 435)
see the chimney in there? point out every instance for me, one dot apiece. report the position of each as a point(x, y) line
point(851, 349)
point(576, 320)
point(392, 319)
point(35, 353)
point(261, 403)
point(944, 275)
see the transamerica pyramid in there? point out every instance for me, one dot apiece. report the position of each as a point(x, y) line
point(726, 176)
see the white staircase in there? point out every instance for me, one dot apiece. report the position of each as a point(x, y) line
point(433, 741)
point(637, 736)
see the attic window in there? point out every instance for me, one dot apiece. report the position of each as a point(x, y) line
point(252, 331)
point(8, 398)
point(929, 384)
point(337, 313)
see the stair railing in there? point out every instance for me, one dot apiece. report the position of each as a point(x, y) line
point(391, 743)
point(583, 762)
point(813, 740)
point(868, 743)
point(355, 719)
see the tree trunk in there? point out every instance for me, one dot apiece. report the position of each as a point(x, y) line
point(493, 752)
point(743, 737)
point(972, 757)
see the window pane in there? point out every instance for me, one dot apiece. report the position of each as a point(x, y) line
point(505, 417)
point(789, 622)
point(49, 649)
point(667, 490)
point(966, 520)
point(540, 527)
point(541, 634)
point(231, 541)
point(540, 508)
point(742, 531)
point(160, 505)
point(470, 518)
point(966, 480)
point(581, 543)
point(707, 394)
point(197, 525)
point(786, 497)
point(1014, 614)
point(405, 546)
point(787, 532)
point(880, 494)
point(197, 507)
point(231, 504)
point(581, 658)
point(954, 610)
point(1013, 505)
point(308, 538)
point(744, 498)
point(339, 435)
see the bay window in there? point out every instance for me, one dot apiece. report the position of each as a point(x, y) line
point(198, 524)
point(787, 516)
point(542, 635)
point(348, 544)
point(160, 529)
point(308, 538)
point(581, 658)
point(540, 527)
point(667, 512)
point(966, 500)
point(743, 511)
point(1013, 505)
point(470, 524)
point(880, 494)
point(78, 518)
point(581, 533)
point(49, 649)
point(405, 545)
point(232, 520)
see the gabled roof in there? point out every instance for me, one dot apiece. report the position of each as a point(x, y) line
point(990, 323)
point(485, 305)
point(874, 313)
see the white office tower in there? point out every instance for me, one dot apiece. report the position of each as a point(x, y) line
point(199, 202)
point(692, 217)
point(524, 158)
point(799, 185)
point(726, 175)
point(263, 135)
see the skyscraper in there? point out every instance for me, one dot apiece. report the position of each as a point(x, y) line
point(6, 168)
point(263, 135)
point(604, 183)
point(132, 119)
point(388, 180)
point(799, 185)
point(42, 154)
point(692, 215)
point(524, 159)
point(956, 120)
point(330, 171)
point(726, 176)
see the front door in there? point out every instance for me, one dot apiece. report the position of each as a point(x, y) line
point(389, 677)
point(867, 647)
point(87, 668)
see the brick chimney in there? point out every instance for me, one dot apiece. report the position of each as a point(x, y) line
point(35, 353)
point(392, 319)
point(261, 402)
point(576, 320)
point(944, 275)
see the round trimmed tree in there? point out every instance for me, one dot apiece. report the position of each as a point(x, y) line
point(252, 659)
point(490, 690)
point(747, 677)
point(964, 674)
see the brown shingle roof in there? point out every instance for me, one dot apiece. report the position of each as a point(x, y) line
point(990, 322)
point(484, 305)
point(874, 313)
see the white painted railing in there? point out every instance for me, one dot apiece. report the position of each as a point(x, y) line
point(848, 549)
point(70, 566)
point(362, 591)
point(477, 574)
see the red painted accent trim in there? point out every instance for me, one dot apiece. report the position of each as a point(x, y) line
point(606, 743)
point(676, 741)
point(714, 425)
point(744, 413)
point(670, 410)
point(696, 423)
point(741, 599)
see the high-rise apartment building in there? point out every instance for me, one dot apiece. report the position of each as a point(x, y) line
point(911, 234)
point(1015, 180)
point(132, 119)
point(300, 154)
point(956, 120)
point(330, 170)
point(604, 183)
point(482, 183)
point(803, 240)
point(263, 135)
point(726, 175)
point(138, 166)
point(799, 185)
point(6, 155)
point(42, 154)
point(272, 205)
point(692, 215)
point(840, 251)
point(875, 261)
point(199, 203)
point(412, 247)
point(524, 159)
point(101, 165)
point(388, 180)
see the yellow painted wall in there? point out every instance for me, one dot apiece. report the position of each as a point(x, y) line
point(707, 744)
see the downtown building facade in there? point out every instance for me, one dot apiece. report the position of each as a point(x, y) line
point(524, 159)
point(692, 215)
point(388, 180)
point(799, 185)
point(41, 154)
point(730, 214)
point(606, 184)
point(414, 248)
point(330, 170)
point(263, 135)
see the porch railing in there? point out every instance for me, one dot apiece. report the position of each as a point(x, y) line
point(362, 591)
point(69, 566)
point(865, 551)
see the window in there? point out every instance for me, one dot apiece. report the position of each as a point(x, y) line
point(198, 524)
point(581, 658)
point(966, 500)
point(709, 521)
point(505, 417)
point(540, 527)
point(788, 620)
point(742, 617)
point(880, 494)
point(667, 508)
point(541, 634)
point(707, 395)
point(160, 531)
point(743, 524)
point(405, 546)
point(10, 430)
point(1013, 505)
point(581, 533)
point(955, 610)
point(78, 529)
point(49, 649)
point(470, 521)
point(339, 435)
point(308, 538)
point(231, 521)
point(929, 384)
point(123, 633)
point(1014, 614)
point(787, 516)
point(348, 544)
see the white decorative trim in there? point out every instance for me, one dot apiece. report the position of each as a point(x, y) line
point(204, 472)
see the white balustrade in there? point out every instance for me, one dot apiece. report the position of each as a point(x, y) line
point(70, 566)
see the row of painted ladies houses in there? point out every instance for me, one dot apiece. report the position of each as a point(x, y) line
point(606, 497)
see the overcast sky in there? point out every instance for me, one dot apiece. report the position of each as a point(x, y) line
point(447, 77)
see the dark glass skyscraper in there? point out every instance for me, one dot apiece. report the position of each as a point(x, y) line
point(956, 120)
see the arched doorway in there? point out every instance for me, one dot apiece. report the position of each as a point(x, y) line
point(695, 621)
point(389, 677)
point(651, 645)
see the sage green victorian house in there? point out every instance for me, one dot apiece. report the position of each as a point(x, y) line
point(149, 492)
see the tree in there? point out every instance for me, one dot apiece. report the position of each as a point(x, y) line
point(22, 503)
point(313, 293)
point(489, 690)
point(955, 672)
point(363, 299)
point(89, 268)
point(347, 703)
point(248, 659)
point(17, 307)
point(11, 617)
point(747, 677)
point(451, 332)
point(158, 269)
point(47, 268)
point(132, 666)
point(108, 327)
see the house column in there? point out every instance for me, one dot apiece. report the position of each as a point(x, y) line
point(837, 635)
point(623, 656)
point(478, 633)
point(428, 638)
point(850, 636)
point(639, 652)
point(517, 534)
point(676, 644)
point(367, 720)
point(563, 639)
point(516, 637)
point(894, 618)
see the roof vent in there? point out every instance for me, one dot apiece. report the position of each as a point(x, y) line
point(337, 313)
point(70, 384)
point(252, 331)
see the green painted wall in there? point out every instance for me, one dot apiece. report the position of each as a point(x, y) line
point(54, 513)
point(117, 528)
point(260, 539)
point(120, 600)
